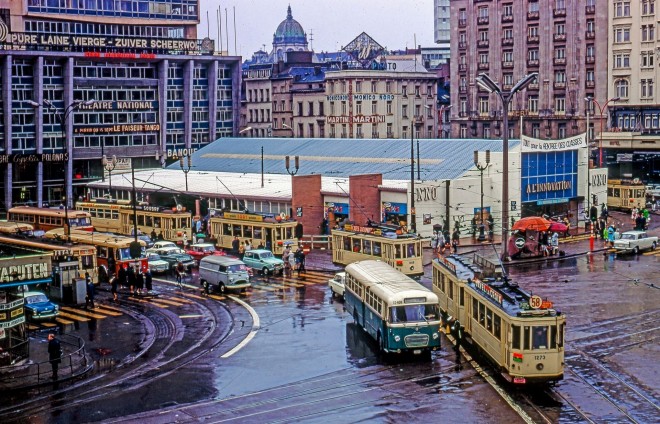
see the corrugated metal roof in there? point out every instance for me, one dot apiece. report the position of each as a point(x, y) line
point(439, 159)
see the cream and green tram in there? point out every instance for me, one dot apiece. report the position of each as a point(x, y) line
point(521, 334)
point(402, 252)
point(400, 314)
point(271, 231)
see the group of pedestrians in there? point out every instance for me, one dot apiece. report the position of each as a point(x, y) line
point(641, 218)
point(548, 244)
point(442, 242)
point(139, 282)
point(293, 261)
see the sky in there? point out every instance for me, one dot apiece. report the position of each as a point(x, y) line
point(394, 24)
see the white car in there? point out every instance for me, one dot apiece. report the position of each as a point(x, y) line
point(634, 241)
point(337, 284)
point(156, 264)
point(163, 243)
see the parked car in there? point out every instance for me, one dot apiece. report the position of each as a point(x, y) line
point(38, 307)
point(262, 260)
point(145, 238)
point(163, 243)
point(156, 264)
point(165, 250)
point(201, 250)
point(337, 284)
point(173, 259)
point(634, 241)
point(224, 273)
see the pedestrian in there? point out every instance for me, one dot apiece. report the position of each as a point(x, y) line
point(132, 280)
point(633, 215)
point(285, 258)
point(568, 226)
point(148, 280)
point(235, 245)
point(121, 277)
point(248, 245)
point(160, 235)
point(185, 240)
point(180, 272)
point(153, 234)
point(241, 250)
point(139, 280)
point(114, 285)
point(89, 285)
point(54, 353)
point(292, 262)
point(194, 237)
point(554, 242)
point(457, 332)
point(300, 260)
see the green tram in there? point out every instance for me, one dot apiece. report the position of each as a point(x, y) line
point(401, 251)
point(396, 311)
point(522, 335)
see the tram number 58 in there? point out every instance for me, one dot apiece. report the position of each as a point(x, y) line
point(535, 302)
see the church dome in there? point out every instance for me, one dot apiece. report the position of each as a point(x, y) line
point(289, 31)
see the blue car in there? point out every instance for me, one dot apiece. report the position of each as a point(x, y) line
point(38, 307)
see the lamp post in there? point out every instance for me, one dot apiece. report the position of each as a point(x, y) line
point(292, 172)
point(244, 130)
point(286, 127)
point(186, 170)
point(413, 217)
point(62, 117)
point(109, 165)
point(485, 82)
point(600, 136)
point(481, 168)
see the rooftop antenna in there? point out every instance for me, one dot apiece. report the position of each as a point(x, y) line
point(311, 39)
point(219, 15)
point(227, 30)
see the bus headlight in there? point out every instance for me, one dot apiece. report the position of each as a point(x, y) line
point(435, 336)
point(397, 338)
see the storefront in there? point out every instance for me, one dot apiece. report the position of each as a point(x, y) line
point(335, 213)
point(394, 213)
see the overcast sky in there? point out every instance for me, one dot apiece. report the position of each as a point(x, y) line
point(394, 24)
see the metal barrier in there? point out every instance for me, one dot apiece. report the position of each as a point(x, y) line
point(28, 374)
point(323, 242)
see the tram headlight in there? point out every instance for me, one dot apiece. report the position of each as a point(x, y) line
point(539, 367)
point(397, 338)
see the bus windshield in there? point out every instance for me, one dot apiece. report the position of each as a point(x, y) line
point(414, 313)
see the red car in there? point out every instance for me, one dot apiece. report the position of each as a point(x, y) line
point(200, 250)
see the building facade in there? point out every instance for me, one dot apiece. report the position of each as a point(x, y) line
point(442, 34)
point(126, 79)
point(565, 42)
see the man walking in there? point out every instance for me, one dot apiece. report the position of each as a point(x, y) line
point(89, 285)
point(54, 353)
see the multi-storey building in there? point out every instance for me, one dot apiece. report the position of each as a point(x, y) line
point(88, 78)
point(631, 144)
point(442, 33)
point(564, 41)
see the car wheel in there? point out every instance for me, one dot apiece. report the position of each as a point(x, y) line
point(635, 250)
point(205, 285)
point(654, 245)
point(223, 289)
point(332, 293)
point(264, 271)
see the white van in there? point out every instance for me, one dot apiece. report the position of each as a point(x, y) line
point(224, 273)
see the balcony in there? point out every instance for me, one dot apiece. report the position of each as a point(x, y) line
point(462, 114)
point(559, 84)
point(532, 39)
point(482, 43)
point(482, 20)
point(590, 35)
point(506, 86)
point(590, 59)
point(375, 135)
point(559, 61)
point(462, 22)
point(532, 16)
point(462, 89)
point(558, 13)
point(590, 10)
point(390, 134)
point(533, 86)
point(462, 67)
point(507, 18)
point(533, 63)
point(483, 66)
point(462, 45)
point(507, 41)
point(559, 37)
point(590, 84)
point(507, 64)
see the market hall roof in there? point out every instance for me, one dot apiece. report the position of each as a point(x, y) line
point(440, 159)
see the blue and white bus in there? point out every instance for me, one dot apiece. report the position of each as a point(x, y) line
point(399, 313)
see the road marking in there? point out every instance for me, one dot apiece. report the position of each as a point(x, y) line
point(216, 297)
point(82, 312)
point(191, 316)
point(111, 312)
point(256, 324)
point(169, 302)
point(64, 321)
point(74, 317)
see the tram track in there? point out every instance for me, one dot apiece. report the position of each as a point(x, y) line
point(166, 331)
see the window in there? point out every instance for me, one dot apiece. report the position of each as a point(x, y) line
point(483, 12)
point(646, 88)
point(560, 104)
point(483, 57)
point(532, 7)
point(515, 337)
point(621, 87)
point(540, 339)
point(647, 59)
point(533, 30)
point(358, 86)
point(560, 53)
point(463, 131)
point(591, 26)
point(648, 7)
point(507, 10)
point(358, 108)
point(483, 35)
point(508, 80)
point(621, 60)
point(536, 130)
point(389, 107)
point(373, 86)
point(374, 107)
point(533, 54)
point(533, 103)
point(507, 56)
point(560, 76)
point(486, 131)
point(483, 105)
point(621, 8)
point(621, 35)
point(591, 50)
point(404, 111)
point(648, 32)
point(508, 33)
point(561, 130)
point(560, 29)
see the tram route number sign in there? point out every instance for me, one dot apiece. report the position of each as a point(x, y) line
point(535, 302)
point(520, 242)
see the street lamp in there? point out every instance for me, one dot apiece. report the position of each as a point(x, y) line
point(481, 168)
point(109, 165)
point(244, 130)
point(292, 172)
point(600, 137)
point(186, 170)
point(485, 82)
point(63, 117)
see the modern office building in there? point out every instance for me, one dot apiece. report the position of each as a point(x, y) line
point(564, 41)
point(117, 78)
point(442, 34)
point(631, 143)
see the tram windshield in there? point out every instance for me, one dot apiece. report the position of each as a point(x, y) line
point(413, 313)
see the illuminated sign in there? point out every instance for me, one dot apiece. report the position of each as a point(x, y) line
point(180, 153)
point(364, 50)
point(34, 157)
point(549, 186)
point(345, 97)
point(363, 230)
point(357, 119)
point(120, 128)
point(118, 105)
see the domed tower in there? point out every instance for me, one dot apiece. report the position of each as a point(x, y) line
point(288, 37)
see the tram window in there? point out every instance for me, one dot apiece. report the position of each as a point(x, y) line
point(288, 232)
point(87, 261)
point(553, 337)
point(102, 252)
point(475, 309)
point(489, 320)
point(616, 192)
point(149, 221)
point(114, 214)
point(366, 247)
point(247, 231)
point(258, 232)
point(451, 290)
point(156, 222)
point(540, 337)
point(497, 327)
point(461, 296)
point(515, 337)
point(347, 243)
point(377, 248)
point(356, 246)
point(141, 220)
point(443, 281)
point(482, 314)
point(526, 338)
point(411, 250)
point(236, 230)
point(226, 229)
point(560, 336)
point(397, 251)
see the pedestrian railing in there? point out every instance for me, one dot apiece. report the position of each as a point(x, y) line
point(74, 362)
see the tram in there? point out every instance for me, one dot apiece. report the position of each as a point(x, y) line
point(398, 312)
point(271, 231)
point(112, 251)
point(626, 194)
point(401, 251)
point(13, 227)
point(521, 334)
point(118, 218)
point(46, 219)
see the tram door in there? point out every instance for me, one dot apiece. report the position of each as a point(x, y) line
point(62, 287)
point(389, 253)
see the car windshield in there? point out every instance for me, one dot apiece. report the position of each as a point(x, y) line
point(413, 313)
point(266, 255)
point(628, 237)
point(338, 278)
point(208, 249)
point(153, 257)
point(39, 298)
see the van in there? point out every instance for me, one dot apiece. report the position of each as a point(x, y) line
point(223, 273)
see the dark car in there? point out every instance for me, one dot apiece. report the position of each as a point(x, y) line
point(145, 238)
point(38, 307)
point(174, 258)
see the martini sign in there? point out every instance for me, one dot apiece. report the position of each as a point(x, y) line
point(364, 50)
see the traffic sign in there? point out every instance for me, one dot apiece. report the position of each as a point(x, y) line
point(535, 302)
point(514, 205)
point(520, 242)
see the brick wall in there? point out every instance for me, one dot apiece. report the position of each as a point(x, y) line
point(365, 198)
point(306, 194)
